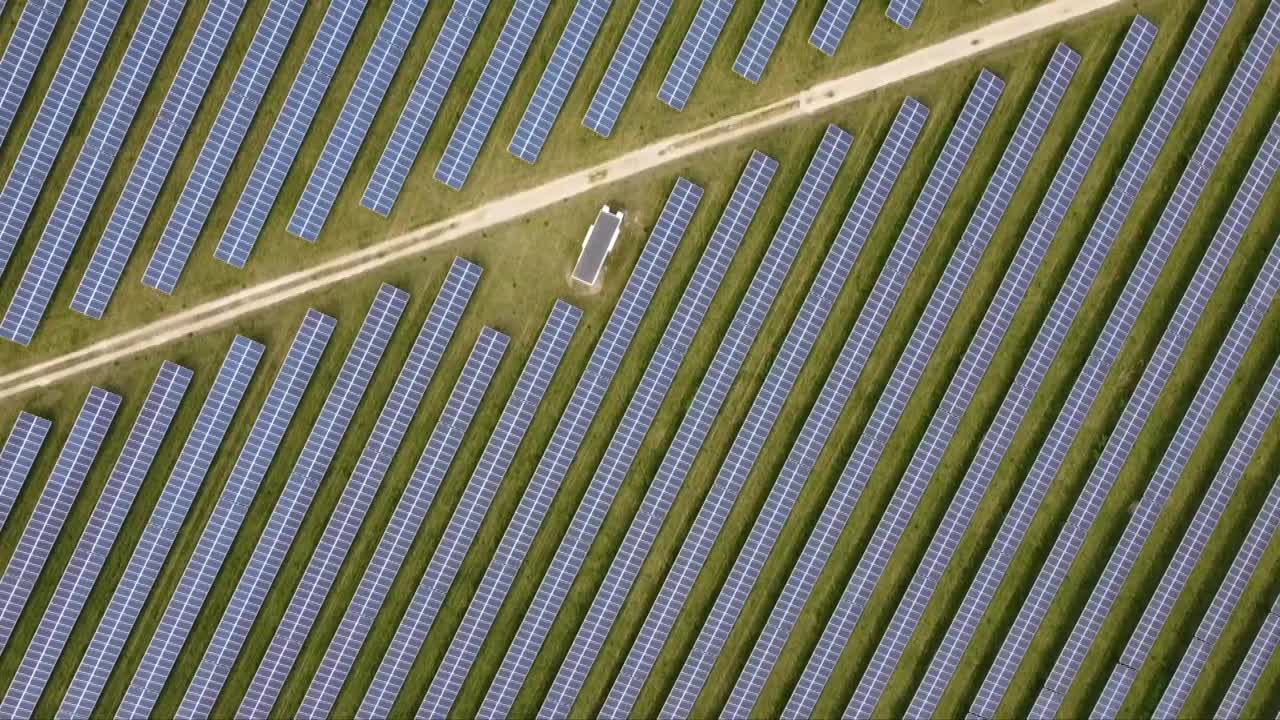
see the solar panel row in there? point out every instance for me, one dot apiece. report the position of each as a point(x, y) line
point(228, 132)
point(17, 457)
point(229, 512)
point(749, 439)
point(763, 38)
point(447, 558)
point(625, 66)
point(95, 542)
point(291, 507)
point(641, 410)
point(87, 176)
point(832, 24)
point(162, 529)
point(74, 461)
point(1261, 651)
point(362, 103)
point(694, 51)
point(903, 12)
point(557, 79)
point(424, 102)
point(53, 120)
point(556, 458)
point(370, 470)
point(22, 55)
point(720, 374)
point(831, 401)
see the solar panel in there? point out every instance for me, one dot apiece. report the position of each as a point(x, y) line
point(570, 431)
point(835, 393)
point(291, 507)
point(95, 543)
point(694, 50)
point(763, 38)
point(17, 457)
point(795, 226)
point(1089, 383)
point(80, 192)
point(557, 79)
point(832, 24)
point(49, 129)
point(55, 502)
point(22, 55)
point(424, 102)
point(903, 12)
point(490, 92)
point(624, 69)
point(233, 503)
point(357, 115)
point(447, 558)
point(162, 529)
point(370, 470)
point(1261, 651)
point(228, 131)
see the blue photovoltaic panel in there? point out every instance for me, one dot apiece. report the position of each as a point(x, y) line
point(237, 495)
point(291, 507)
point(694, 50)
point(862, 339)
point(903, 12)
point(156, 157)
point(229, 128)
point(737, 217)
point(80, 192)
point(556, 458)
point(1089, 382)
point(1261, 651)
point(55, 502)
point(627, 439)
point(288, 132)
point(624, 69)
point(162, 529)
point(832, 24)
point(763, 38)
point(22, 55)
point(448, 555)
point(357, 114)
point(53, 120)
point(795, 225)
point(411, 507)
point(17, 457)
point(424, 102)
point(95, 543)
point(370, 470)
point(557, 79)
point(490, 92)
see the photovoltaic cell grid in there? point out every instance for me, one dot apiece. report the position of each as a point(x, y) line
point(832, 24)
point(424, 102)
point(370, 470)
point(26, 46)
point(447, 558)
point(490, 92)
point(357, 115)
point(95, 543)
point(55, 502)
point(1088, 385)
point(291, 507)
point(835, 393)
point(237, 495)
point(162, 529)
point(795, 225)
point(763, 38)
point(625, 66)
point(903, 12)
point(542, 487)
point(53, 120)
point(557, 79)
point(643, 530)
point(229, 128)
point(1255, 661)
point(625, 443)
point(17, 457)
point(80, 192)
point(694, 50)
point(288, 132)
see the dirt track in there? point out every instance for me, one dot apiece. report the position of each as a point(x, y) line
point(224, 310)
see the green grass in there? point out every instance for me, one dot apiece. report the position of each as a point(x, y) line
point(525, 262)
